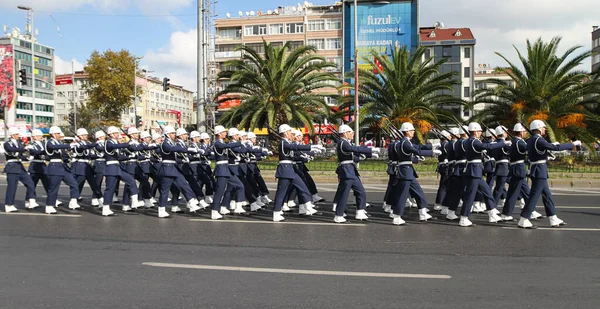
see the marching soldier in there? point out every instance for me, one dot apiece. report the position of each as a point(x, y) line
point(59, 172)
point(451, 171)
point(502, 158)
point(204, 169)
point(82, 169)
point(99, 163)
point(188, 165)
point(537, 151)
point(143, 170)
point(442, 169)
point(252, 165)
point(37, 164)
point(457, 187)
point(15, 172)
point(224, 177)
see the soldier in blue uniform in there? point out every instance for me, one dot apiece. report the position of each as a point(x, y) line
point(473, 176)
point(287, 177)
point(502, 159)
point(37, 164)
point(449, 150)
point(407, 176)
point(15, 172)
point(392, 171)
point(489, 166)
point(537, 151)
point(204, 169)
point(143, 170)
point(252, 165)
point(171, 175)
point(82, 168)
point(234, 194)
point(131, 167)
point(99, 163)
point(457, 182)
point(442, 169)
point(224, 180)
point(188, 165)
point(195, 169)
point(301, 167)
point(348, 174)
point(59, 172)
point(249, 167)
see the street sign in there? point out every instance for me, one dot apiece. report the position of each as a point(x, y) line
point(63, 81)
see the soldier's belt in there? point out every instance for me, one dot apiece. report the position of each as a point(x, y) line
point(222, 162)
point(538, 162)
point(461, 161)
point(169, 161)
point(286, 162)
point(347, 162)
point(56, 161)
point(195, 162)
point(13, 160)
point(38, 161)
point(517, 162)
point(405, 163)
point(474, 161)
point(113, 162)
point(502, 161)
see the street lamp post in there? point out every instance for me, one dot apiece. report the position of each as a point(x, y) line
point(356, 107)
point(31, 33)
point(146, 72)
point(135, 98)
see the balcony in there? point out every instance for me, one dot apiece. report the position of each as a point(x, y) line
point(228, 54)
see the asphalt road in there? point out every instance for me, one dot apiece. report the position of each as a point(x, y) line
point(139, 261)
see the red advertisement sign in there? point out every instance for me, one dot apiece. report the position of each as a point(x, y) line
point(63, 80)
point(227, 104)
point(177, 114)
point(7, 75)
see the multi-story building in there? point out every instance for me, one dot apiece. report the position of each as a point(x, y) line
point(458, 46)
point(68, 92)
point(483, 72)
point(15, 52)
point(596, 48)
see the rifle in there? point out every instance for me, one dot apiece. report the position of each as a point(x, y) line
point(394, 129)
point(505, 131)
point(491, 131)
point(440, 129)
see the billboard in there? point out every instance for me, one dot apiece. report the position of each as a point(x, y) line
point(381, 25)
point(7, 75)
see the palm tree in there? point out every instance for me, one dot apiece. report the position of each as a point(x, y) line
point(280, 86)
point(404, 87)
point(545, 86)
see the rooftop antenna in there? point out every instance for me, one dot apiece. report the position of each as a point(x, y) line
point(240, 13)
point(247, 13)
point(228, 15)
point(252, 13)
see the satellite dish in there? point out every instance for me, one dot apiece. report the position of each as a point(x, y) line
point(294, 9)
point(251, 13)
point(240, 13)
point(247, 13)
point(269, 12)
point(442, 25)
point(228, 15)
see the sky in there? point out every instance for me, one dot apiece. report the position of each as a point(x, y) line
point(164, 31)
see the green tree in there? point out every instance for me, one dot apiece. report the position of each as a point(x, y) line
point(278, 86)
point(404, 87)
point(110, 84)
point(544, 86)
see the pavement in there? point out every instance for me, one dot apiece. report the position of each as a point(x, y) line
point(83, 260)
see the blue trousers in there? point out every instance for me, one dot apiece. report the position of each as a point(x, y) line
point(500, 188)
point(235, 187)
point(112, 185)
point(474, 185)
point(343, 190)
point(165, 186)
point(403, 189)
point(91, 180)
point(54, 182)
point(230, 184)
point(13, 182)
point(35, 177)
point(206, 180)
point(457, 189)
point(441, 192)
point(516, 187)
point(539, 187)
point(283, 185)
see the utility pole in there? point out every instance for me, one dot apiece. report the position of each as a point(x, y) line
point(74, 95)
point(200, 83)
point(31, 32)
point(356, 107)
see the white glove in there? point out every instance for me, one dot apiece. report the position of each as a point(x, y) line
point(374, 155)
point(264, 150)
point(152, 145)
point(29, 147)
point(30, 158)
point(270, 152)
point(556, 143)
point(508, 143)
point(133, 142)
point(577, 143)
point(436, 145)
point(375, 150)
point(200, 151)
point(437, 152)
point(74, 146)
point(256, 147)
point(316, 148)
point(193, 150)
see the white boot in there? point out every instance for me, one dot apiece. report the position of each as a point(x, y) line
point(148, 203)
point(413, 202)
point(334, 207)
point(278, 216)
point(73, 204)
point(460, 203)
point(106, 211)
point(307, 209)
point(50, 210)
point(367, 205)
point(153, 201)
point(398, 220)
point(176, 209)
point(254, 207)
point(445, 210)
point(231, 205)
point(208, 199)
point(215, 215)
point(493, 216)
point(392, 215)
point(339, 219)
point(192, 205)
point(115, 198)
point(285, 208)
point(259, 203)
point(464, 221)
point(316, 198)
point(521, 203)
point(266, 199)
point(239, 209)
point(162, 212)
point(127, 208)
point(244, 203)
point(525, 223)
point(361, 214)
point(203, 204)
point(556, 222)
point(451, 215)
point(536, 215)
point(58, 203)
point(423, 215)
point(506, 218)
point(224, 211)
point(387, 208)
point(292, 204)
point(100, 202)
point(31, 204)
point(437, 207)
point(135, 203)
point(10, 208)
point(501, 203)
point(95, 202)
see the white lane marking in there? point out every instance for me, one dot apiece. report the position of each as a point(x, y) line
point(577, 207)
point(38, 214)
point(557, 229)
point(298, 271)
point(281, 223)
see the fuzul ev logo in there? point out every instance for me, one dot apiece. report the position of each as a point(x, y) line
point(388, 20)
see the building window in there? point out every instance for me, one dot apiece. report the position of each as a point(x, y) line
point(427, 53)
point(334, 24)
point(25, 106)
point(229, 33)
point(276, 29)
point(316, 25)
point(294, 28)
point(467, 93)
point(338, 63)
point(255, 30)
point(318, 44)
point(258, 47)
point(467, 52)
point(446, 51)
point(467, 72)
point(466, 112)
point(333, 44)
point(296, 44)
point(44, 108)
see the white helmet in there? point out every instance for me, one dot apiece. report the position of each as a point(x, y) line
point(204, 135)
point(194, 134)
point(251, 135)
point(536, 125)
point(112, 130)
point(81, 131)
point(180, 132)
point(474, 126)
point(242, 133)
point(55, 130)
point(132, 130)
point(445, 134)
point(407, 126)
point(233, 132)
point(489, 133)
point(168, 130)
point(519, 128)
point(345, 128)
point(500, 130)
point(219, 129)
point(156, 136)
point(99, 134)
point(144, 135)
point(37, 132)
point(296, 132)
point(13, 131)
point(284, 128)
point(455, 131)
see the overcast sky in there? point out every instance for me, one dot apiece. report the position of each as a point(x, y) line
point(164, 31)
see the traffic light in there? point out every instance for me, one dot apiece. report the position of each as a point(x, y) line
point(23, 77)
point(166, 84)
point(138, 121)
point(71, 119)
